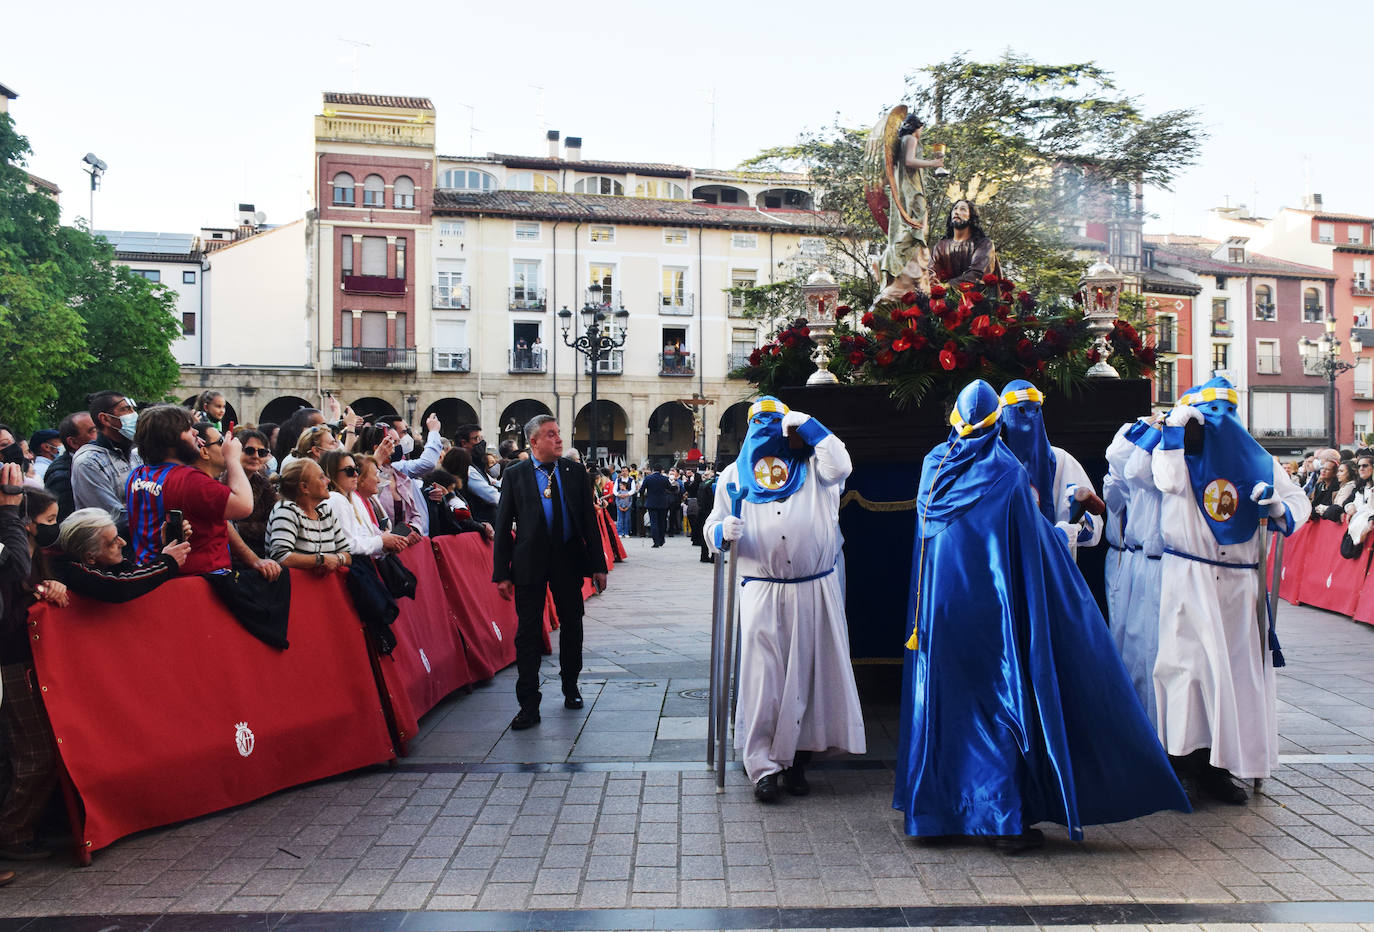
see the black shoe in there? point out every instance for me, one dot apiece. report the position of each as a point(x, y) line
point(1219, 785)
point(795, 778)
point(572, 700)
point(766, 790)
point(1028, 840)
point(23, 851)
point(524, 719)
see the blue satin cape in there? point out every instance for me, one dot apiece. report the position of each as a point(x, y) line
point(1015, 706)
point(765, 438)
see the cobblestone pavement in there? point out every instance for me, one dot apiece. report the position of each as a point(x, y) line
point(610, 810)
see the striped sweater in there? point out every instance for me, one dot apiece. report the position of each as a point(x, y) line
point(289, 531)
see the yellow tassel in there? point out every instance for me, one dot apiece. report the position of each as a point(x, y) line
point(913, 643)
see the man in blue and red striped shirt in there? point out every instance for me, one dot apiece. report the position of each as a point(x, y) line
point(168, 444)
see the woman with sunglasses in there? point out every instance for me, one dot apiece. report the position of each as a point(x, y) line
point(251, 550)
point(355, 517)
point(302, 531)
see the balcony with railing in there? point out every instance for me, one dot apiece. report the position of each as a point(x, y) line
point(603, 297)
point(1264, 310)
point(392, 358)
point(1312, 313)
point(355, 129)
point(1267, 364)
point(675, 305)
point(453, 297)
point(734, 362)
point(1361, 287)
point(676, 364)
point(452, 359)
point(736, 306)
point(1166, 343)
point(523, 298)
point(613, 363)
point(1223, 328)
point(374, 284)
point(525, 360)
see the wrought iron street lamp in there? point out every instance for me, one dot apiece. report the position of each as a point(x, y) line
point(1323, 357)
point(598, 338)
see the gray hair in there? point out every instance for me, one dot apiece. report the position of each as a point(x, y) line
point(80, 533)
point(533, 424)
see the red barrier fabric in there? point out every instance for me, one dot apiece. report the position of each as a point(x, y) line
point(165, 708)
point(1329, 580)
point(606, 547)
point(1295, 551)
point(486, 621)
point(1364, 605)
point(429, 661)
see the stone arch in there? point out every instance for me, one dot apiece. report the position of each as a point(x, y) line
point(734, 424)
point(282, 407)
point(453, 414)
point(612, 432)
point(370, 407)
point(511, 424)
point(671, 432)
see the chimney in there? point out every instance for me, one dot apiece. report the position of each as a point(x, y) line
point(573, 147)
point(552, 136)
point(1316, 202)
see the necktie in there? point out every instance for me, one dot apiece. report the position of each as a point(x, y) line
point(556, 499)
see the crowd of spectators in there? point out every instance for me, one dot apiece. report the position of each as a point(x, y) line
point(1340, 484)
point(115, 501)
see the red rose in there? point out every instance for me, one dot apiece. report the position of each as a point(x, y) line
point(773, 350)
point(1024, 297)
point(842, 311)
point(937, 290)
point(947, 360)
point(900, 345)
point(867, 319)
point(885, 358)
point(909, 298)
point(910, 335)
point(805, 331)
point(856, 358)
point(1024, 348)
point(990, 279)
point(996, 330)
point(756, 357)
point(965, 287)
point(1147, 357)
point(788, 340)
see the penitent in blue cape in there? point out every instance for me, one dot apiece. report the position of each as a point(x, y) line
point(1015, 706)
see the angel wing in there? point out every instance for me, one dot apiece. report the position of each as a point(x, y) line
point(880, 168)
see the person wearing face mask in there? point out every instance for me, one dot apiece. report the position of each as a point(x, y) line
point(101, 468)
point(404, 472)
point(483, 494)
point(24, 728)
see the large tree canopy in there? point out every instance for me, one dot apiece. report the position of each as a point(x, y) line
point(1035, 146)
point(71, 320)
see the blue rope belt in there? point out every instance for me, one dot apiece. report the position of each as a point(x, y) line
point(1197, 559)
point(1125, 549)
point(744, 581)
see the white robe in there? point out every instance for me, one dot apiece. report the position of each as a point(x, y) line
point(1138, 637)
point(1118, 569)
point(1214, 675)
point(1067, 474)
point(796, 689)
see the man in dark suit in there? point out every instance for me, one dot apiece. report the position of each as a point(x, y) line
point(658, 495)
point(556, 544)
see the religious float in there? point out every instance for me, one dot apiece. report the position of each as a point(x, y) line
point(883, 378)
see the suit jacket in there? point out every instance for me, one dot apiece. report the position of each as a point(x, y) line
point(658, 491)
point(524, 557)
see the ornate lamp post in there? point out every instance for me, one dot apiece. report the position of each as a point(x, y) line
point(1100, 289)
point(1323, 357)
point(822, 296)
point(596, 342)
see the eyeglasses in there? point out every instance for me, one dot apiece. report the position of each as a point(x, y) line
point(1367, 465)
point(211, 443)
point(349, 471)
point(254, 451)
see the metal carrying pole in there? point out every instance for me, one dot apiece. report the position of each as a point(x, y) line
point(725, 639)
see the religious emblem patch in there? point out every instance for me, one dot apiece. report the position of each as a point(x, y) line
point(243, 739)
point(1219, 498)
point(771, 473)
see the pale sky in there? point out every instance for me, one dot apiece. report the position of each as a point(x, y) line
point(198, 107)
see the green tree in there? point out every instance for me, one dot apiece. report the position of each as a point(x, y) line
point(71, 320)
point(1032, 145)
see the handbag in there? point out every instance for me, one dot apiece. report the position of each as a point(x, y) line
point(396, 576)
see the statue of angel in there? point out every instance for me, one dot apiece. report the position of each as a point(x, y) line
point(893, 163)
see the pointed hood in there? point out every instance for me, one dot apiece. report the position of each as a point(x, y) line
point(1023, 430)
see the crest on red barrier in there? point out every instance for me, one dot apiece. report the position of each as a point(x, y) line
point(424, 659)
point(243, 739)
point(497, 628)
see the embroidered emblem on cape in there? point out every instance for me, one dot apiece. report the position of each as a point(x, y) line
point(495, 627)
point(1219, 498)
point(425, 660)
point(243, 739)
point(771, 472)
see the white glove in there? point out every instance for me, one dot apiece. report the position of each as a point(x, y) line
point(1070, 532)
point(1264, 494)
point(793, 419)
point(1182, 415)
point(731, 528)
